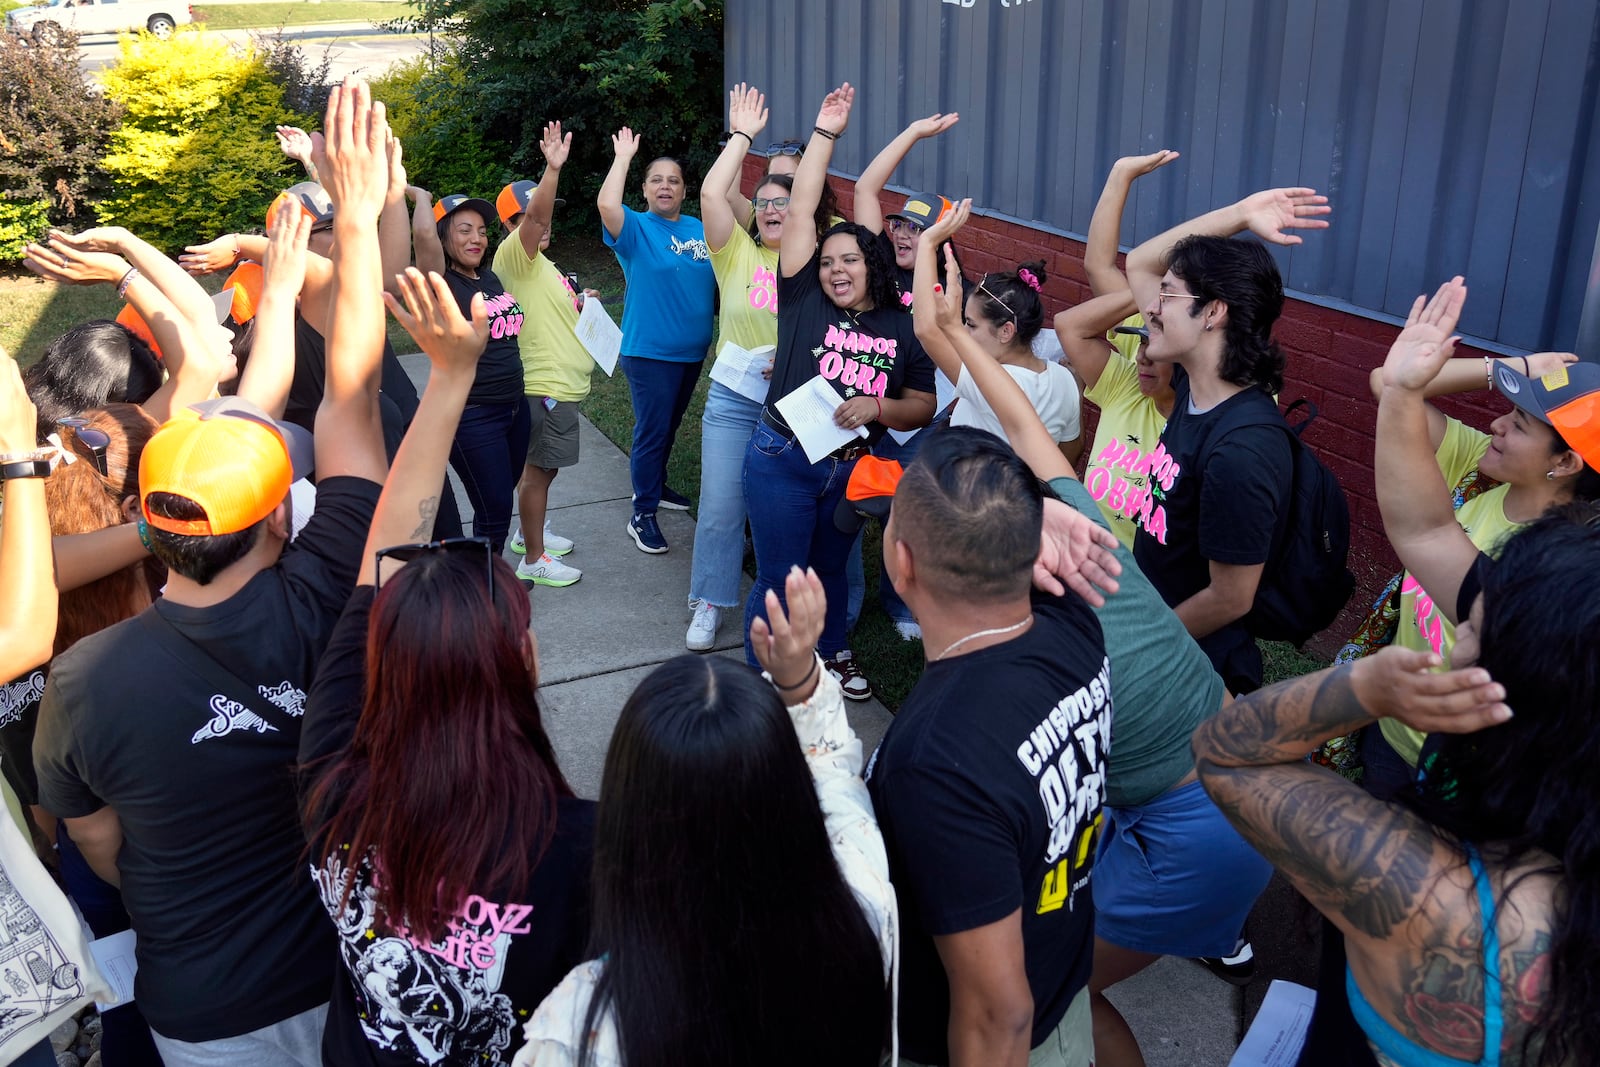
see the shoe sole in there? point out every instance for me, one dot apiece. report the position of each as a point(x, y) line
point(551, 582)
point(523, 550)
point(639, 542)
point(706, 646)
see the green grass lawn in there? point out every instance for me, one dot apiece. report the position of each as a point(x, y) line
point(303, 12)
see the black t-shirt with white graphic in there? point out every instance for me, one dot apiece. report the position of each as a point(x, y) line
point(1211, 497)
point(866, 353)
point(988, 787)
point(19, 716)
point(231, 938)
point(461, 1001)
point(499, 377)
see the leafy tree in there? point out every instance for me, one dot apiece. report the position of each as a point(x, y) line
point(445, 148)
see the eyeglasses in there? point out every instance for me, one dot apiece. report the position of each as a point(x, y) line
point(407, 553)
point(96, 441)
point(1162, 296)
point(760, 203)
point(983, 288)
point(896, 225)
point(786, 148)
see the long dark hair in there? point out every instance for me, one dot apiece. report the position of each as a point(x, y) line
point(1529, 785)
point(880, 266)
point(1004, 296)
point(1242, 275)
point(449, 736)
point(729, 935)
point(91, 365)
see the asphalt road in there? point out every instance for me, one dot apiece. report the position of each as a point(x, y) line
point(354, 47)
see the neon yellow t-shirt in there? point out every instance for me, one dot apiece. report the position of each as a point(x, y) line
point(747, 281)
point(1422, 627)
point(554, 362)
point(1130, 427)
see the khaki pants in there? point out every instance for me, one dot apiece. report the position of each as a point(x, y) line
point(1071, 1044)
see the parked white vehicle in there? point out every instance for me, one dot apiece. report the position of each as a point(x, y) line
point(46, 22)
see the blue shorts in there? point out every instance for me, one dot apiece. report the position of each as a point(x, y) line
point(1173, 878)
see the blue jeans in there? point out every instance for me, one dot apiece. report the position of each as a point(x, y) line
point(490, 448)
point(660, 390)
point(725, 431)
point(855, 574)
point(791, 503)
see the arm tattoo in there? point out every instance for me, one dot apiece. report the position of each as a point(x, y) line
point(427, 509)
point(1284, 722)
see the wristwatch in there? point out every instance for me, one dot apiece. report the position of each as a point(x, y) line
point(34, 464)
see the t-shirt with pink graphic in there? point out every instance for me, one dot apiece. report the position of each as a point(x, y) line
point(499, 377)
point(747, 281)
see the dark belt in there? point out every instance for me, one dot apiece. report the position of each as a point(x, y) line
point(844, 453)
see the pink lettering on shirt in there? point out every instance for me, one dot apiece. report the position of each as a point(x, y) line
point(1426, 615)
point(763, 290)
point(865, 371)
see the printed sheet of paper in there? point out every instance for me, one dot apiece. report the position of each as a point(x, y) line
point(744, 369)
point(1279, 1031)
point(599, 334)
point(114, 955)
point(223, 303)
point(944, 393)
point(809, 412)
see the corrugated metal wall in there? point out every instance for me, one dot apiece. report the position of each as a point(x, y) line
point(1451, 136)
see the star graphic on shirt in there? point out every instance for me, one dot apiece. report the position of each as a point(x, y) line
point(1133, 438)
point(817, 351)
point(843, 325)
point(849, 391)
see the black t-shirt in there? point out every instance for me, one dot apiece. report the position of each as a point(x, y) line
point(461, 1001)
point(863, 353)
point(988, 788)
point(200, 772)
point(397, 401)
point(1222, 497)
point(19, 717)
point(499, 379)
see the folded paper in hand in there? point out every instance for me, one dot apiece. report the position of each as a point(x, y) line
point(599, 334)
point(809, 412)
point(744, 370)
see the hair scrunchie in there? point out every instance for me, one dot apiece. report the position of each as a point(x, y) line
point(1030, 279)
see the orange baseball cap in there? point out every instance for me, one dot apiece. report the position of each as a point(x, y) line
point(924, 209)
point(312, 198)
point(513, 200)
point(229, 457)
point(868, 493)
point(446, 206)
point(134, 322)
point(1567, 400)
point(246, 282)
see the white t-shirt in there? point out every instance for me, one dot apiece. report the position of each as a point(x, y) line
point(1053, 393)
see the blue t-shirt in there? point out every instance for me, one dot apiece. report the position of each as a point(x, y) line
point(669, 309)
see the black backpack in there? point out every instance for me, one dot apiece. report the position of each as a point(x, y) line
point(1306, 582)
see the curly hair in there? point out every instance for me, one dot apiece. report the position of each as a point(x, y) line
point(881, 287)
point(1242, 275)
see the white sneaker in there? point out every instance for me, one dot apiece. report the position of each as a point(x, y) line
point(554, 543)
point(518, 545)
point(547, 570)
point(703, 628)
point(908, 630)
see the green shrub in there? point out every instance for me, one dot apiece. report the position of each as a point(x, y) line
point(21, 221)
point(195, 155)
point(53, 131)
point(445, 149)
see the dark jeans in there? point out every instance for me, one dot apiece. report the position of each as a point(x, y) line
point(488, 453)
point(791, 503)
point(661, 392)
point(125, 1037)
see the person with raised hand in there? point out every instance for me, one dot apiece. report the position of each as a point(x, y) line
point(555, 365)
point(296, 144)
point(186, 797)
point(666, 322)
point(444, 944)
point(746, 267)
point(900, 233)
point(1225, 461)
point(27, 586)
point(760, 849)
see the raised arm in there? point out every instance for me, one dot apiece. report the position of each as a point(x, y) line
point(394, 222)
point(747, 117)
point(192, 302)
point(296, 144)
point(869, 187)
point(799, 226)
point(535, 223)
point(1367, 865)
point(88, 557)
point(427, 249)
point(1105, 225)
point(27, 587)
point(927, 293)
point(453, 343)
point(1466, 374)
point(624, 146)
point(1082, 333)
point(355, 169)
point(270, 371)
point(1267, 214)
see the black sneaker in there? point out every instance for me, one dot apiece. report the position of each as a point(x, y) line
point(1237, 968)
point(673, 500)
point(646, 533)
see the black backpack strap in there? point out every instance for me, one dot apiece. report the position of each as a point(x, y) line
point(204, 665)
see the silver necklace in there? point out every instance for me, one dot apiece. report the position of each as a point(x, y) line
point(996, 632)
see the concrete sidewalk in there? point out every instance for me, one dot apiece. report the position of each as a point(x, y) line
point(599, 638)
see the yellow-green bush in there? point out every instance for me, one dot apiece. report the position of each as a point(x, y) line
point(21, 221)
point(195, 154)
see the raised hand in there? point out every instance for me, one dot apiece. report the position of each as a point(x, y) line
point(398, 182)
point(1139, 166)
point(1428, 340)
point(1400, 683)
point(834, 115)
point(934, 124)
point(1270, 212)
point(429, 313)
point(555, 146)
point(61, 262)
point(948, 223)
point(215, 255)
point(285, 266)
point(747, 110)
point(625, 143)
point(295, 143)
point(949, 297)
point(351, 154)
point(18, 421)
point(98, 239)
point(785, 644)
point(1075, 553)
point(1542, 363)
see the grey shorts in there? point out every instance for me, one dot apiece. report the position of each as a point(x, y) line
point(554, 440)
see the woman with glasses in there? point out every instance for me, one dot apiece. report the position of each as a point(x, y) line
point(1219, 497)
point(901, 232)
point(841, 321)
point(783, 159)
point(448, 848)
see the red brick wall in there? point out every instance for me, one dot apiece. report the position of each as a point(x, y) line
point(1330, 355)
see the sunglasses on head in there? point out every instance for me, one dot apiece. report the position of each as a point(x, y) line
point(96, 441)
point(983, 288)
point(407, 553)
point(786, 148)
